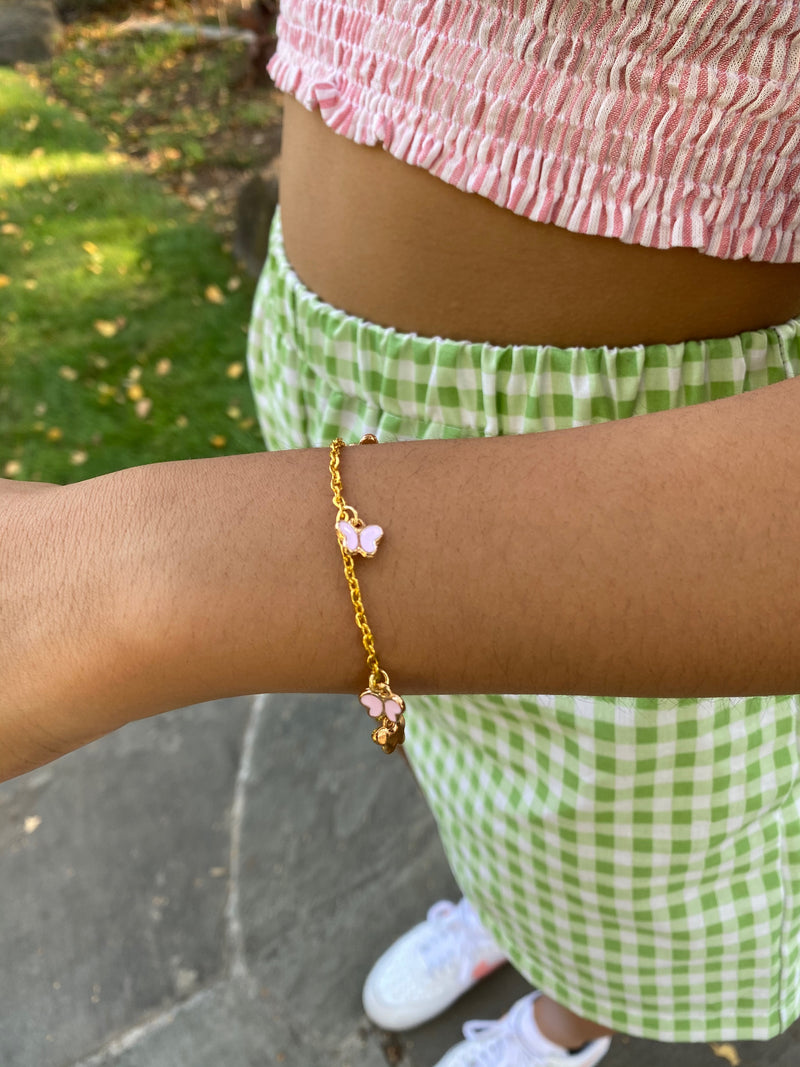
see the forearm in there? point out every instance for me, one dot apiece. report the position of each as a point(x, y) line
point(653, 557)
point(658, 556)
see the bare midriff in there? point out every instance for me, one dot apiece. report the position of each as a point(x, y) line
point(394, 245)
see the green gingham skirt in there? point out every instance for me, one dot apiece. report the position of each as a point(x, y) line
point(637, 859)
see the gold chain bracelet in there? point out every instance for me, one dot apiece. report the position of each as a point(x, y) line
point(357, 539)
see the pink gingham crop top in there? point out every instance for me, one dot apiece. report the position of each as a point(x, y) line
point(661, 122)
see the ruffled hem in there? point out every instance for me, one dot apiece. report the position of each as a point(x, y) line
point(599, 199)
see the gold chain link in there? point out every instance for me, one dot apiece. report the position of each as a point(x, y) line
point(342, 512)
point(378, 699)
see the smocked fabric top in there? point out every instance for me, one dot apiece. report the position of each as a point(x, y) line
point(667, 123)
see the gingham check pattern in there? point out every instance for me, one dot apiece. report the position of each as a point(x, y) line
point(639, 860)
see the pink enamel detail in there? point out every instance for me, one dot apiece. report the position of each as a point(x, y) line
point(392, 710)
point(372, 703)
point(348, 532)
point(377, 706)
point(369, 538)
point(364, 541)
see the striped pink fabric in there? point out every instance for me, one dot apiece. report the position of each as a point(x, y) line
point(661, 122)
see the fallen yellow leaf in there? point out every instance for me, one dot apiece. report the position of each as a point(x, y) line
point(90, 247)
point(181, 422)
point(106, 328)
point(726, 1052)
point(214, 295)
point(235, 370)
point(218, 441)
point(77, 459)
point(135, 392)
point(10, 229)
point(234, 283)
point(164, 366)
point(4, 281)
point(54, 434)
point(69, 374)
point(30, 283)
point(12, 468)
point(143, 407)
point(233, 413)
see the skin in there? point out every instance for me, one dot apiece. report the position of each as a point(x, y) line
point(163, 586)
point(397, 246)
point(469, 258)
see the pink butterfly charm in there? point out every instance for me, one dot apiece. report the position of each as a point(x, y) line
point(359, 539)
point(391, 705)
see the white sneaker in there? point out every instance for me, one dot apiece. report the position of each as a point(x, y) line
point(430, 967)
point(514, 1041)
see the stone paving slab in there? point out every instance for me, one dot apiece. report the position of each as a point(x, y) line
point(232, 1024)
point(209, 889)
point(114, 875)
point(339, 852)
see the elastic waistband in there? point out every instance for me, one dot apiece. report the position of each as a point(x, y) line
point(485, 389)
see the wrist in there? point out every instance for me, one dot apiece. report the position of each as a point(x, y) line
point(50, 627)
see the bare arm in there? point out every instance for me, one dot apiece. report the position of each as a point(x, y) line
point(657, 556)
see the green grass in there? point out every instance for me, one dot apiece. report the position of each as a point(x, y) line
point(158, 93)
point(86, 239)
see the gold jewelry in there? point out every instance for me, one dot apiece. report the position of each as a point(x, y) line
point(357, 539)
